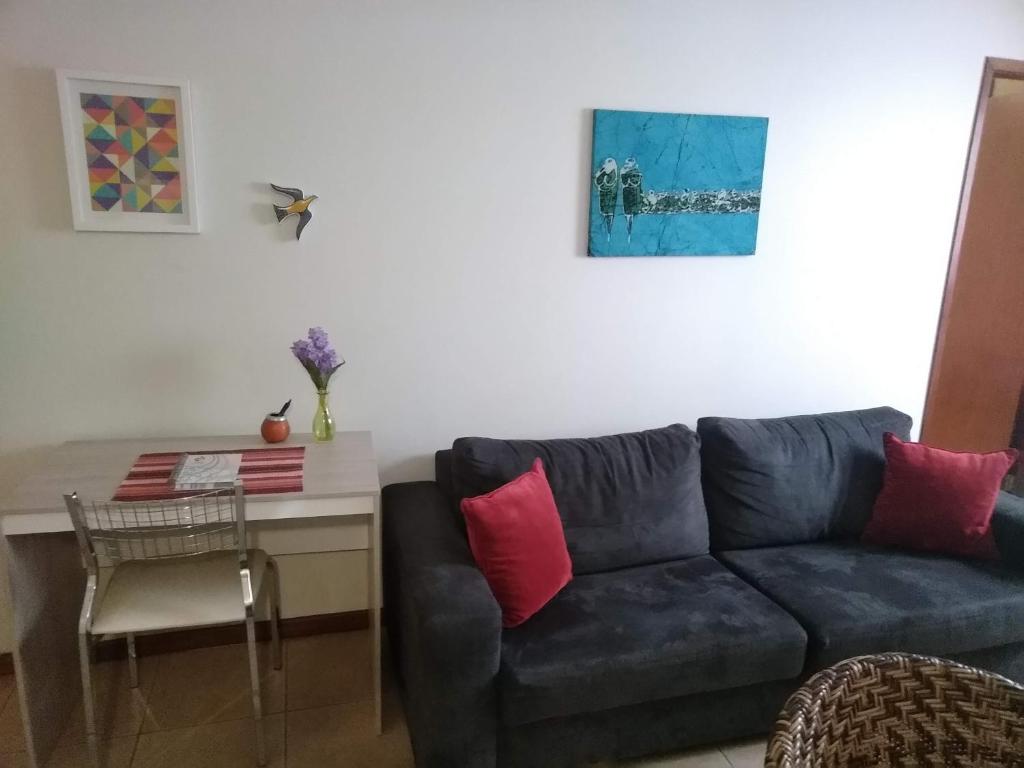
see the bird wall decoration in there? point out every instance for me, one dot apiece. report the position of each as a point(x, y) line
point(298, 207)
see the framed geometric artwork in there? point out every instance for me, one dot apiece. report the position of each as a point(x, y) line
point(130, 154)
point(675, 184)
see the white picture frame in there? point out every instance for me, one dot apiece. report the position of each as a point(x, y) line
point(154, 187)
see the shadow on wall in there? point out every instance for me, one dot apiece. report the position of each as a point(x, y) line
point(410, 469)
point(585, 144)
point(185, 369)
point(35, 113)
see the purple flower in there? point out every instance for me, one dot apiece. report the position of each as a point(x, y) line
point(318, 338)
point(328, 359)
point(302, 350)
point(317, 356)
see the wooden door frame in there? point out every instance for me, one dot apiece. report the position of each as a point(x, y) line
point(995, 68)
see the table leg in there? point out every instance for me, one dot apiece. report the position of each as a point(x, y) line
point(376, 587)
point(47, 583)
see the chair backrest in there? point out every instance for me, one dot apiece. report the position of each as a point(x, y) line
point(113, 532)
point(900, 709)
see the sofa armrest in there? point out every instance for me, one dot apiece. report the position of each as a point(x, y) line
point(1008, 528)
point(445, 627)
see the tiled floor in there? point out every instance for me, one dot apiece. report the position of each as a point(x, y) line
point(191, 709)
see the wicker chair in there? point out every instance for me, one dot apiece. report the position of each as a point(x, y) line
point(896, 709)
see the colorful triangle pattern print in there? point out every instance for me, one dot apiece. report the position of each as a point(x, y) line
point(131, 149)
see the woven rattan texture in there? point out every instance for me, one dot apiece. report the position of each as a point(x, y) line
point(900, 710)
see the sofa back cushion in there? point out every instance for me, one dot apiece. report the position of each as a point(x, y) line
point(793, 480)
point(624, 499)
point(443, 471)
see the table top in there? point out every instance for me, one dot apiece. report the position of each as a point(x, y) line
point(346, 466)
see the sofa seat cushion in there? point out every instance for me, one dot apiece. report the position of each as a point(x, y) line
point(625, 500)
point(854, 599)
point(641, 634)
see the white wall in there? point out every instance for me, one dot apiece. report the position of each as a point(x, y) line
point(449, 144)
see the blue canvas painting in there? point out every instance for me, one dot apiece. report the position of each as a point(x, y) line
point(675, 185)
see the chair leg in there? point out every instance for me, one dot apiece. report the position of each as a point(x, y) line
point(254, 675)
point(275, 612)
point(84, 652)
point(133, 663)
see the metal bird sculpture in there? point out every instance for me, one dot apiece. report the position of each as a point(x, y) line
point(298, 207)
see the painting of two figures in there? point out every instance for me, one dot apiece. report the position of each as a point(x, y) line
point(675, 184)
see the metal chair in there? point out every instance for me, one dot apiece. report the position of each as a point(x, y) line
point(897, 709)
point(177, 564)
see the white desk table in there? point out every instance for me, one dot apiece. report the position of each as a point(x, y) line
point(47, 580)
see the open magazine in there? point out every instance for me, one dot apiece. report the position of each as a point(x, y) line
point(205, 471)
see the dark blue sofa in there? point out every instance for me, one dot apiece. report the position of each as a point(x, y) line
point(713, 571)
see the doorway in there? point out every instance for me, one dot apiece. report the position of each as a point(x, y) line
point(976, 388)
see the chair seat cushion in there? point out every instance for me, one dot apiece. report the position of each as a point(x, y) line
point(856, 599)
point(645, 633)
point(174, 593)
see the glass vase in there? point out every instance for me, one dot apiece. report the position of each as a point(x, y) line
point(323, 422)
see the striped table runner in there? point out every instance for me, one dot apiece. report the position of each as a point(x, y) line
point(263, 470)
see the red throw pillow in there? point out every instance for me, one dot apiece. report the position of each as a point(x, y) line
point(517, 540)
point(937, 500)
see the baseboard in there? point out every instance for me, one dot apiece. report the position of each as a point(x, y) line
point(6, 664)
point(205, 637)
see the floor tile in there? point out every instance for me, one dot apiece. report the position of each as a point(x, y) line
point(14, 760)
point(746, 754)
point(6, 688)
point(193, 709)
point(391, 700)
point(694, 758)
point(210, 685)
point(344, 734)
point(329, 669)
point(216, 745)
point(120, 709)
point(12, 733)
point(115, 753)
